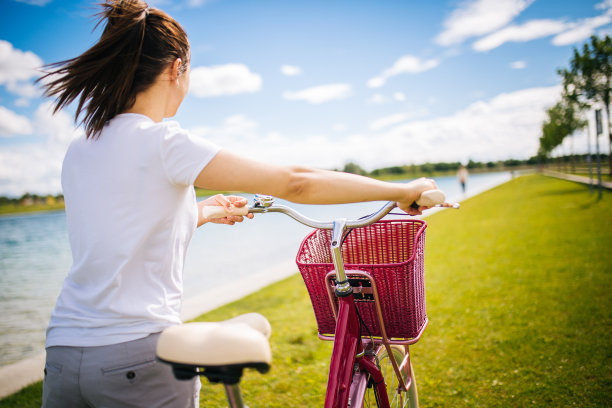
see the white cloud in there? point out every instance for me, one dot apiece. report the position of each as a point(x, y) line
point(396, 118)
point(235, 126)
point(407, 64)
point(12, 124)
point(339, 127)
point(228, 79)
point(25, 90)
point(291, 70)
point(605, 5)
point(17, 65)
point(320, 94)
point(388, 121)
point(35, 2)
point(520, 33)
point(58, 128)
point(581, 30)
point(197, 3)
point(273, 147)
point(518, 65)
point(399, 96)
point(377, 99)
point(479, 17)
point(506, 126)
point(16, 68)
point(36, 167)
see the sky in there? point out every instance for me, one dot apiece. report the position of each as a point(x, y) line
point(320, 82)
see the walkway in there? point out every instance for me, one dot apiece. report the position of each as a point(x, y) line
point(578, 179)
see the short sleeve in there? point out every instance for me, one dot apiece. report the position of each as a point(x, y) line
point(185, 155)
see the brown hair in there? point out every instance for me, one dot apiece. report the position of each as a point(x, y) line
point(137, 44)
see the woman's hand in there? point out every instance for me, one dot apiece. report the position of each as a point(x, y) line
point(228, 203)
point(415, 189)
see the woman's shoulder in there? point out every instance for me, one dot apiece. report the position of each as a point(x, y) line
point(138, 124)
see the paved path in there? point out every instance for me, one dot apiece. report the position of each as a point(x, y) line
point(579, 179)
point(14, 377)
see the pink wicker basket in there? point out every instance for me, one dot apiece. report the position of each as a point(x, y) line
point(391, 253)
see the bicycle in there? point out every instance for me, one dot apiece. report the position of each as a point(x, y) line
point(373, 311)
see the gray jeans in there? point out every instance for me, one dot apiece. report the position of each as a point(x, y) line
point(120, 375)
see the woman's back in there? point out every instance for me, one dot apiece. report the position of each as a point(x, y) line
point(131, 211)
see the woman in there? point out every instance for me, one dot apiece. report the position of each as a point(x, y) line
point(131, 210)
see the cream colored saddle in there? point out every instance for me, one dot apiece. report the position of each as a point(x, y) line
point(217, 350)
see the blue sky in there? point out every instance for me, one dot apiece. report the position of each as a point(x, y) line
point(317, 82)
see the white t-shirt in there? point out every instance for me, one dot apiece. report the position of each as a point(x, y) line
point(131, 211)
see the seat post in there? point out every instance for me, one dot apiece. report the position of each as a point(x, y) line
point(234, 396)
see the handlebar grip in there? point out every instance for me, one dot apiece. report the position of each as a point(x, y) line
point(430, 198)
point(218, 211)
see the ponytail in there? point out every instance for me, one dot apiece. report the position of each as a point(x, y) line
point(136, 45)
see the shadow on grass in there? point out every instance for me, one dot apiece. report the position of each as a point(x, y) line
point(580, 188)
point(585, 202)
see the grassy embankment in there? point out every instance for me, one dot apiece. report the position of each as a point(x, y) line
point(519, 288)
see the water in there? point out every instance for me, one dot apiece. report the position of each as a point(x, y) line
point(35, 257)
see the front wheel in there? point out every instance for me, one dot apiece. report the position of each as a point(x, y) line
point(396, 400)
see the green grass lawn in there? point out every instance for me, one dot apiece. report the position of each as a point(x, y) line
point(519, 291)
point(519, 295)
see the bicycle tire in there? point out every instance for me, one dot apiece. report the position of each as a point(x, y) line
point(396, 400)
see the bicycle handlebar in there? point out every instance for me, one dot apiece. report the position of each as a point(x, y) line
point(372, 218)
point(265, 204)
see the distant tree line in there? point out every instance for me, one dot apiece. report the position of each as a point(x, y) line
point(428, 169)
point(440, 167)
point(32, 199)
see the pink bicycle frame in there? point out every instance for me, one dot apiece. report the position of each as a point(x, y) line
point(347, 345)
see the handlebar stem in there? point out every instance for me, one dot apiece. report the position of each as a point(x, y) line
point(343, 288)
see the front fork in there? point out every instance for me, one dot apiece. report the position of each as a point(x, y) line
point(347, 345)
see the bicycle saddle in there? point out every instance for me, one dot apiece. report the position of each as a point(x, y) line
point(217, 350)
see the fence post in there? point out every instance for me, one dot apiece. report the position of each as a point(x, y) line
point(598, 131)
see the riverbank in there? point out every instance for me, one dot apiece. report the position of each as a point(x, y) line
point(515, 320)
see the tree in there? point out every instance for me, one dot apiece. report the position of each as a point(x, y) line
point(563, 120)
point(589, 78)
point(354, 168)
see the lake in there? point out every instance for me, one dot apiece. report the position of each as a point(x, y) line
point(35, 257)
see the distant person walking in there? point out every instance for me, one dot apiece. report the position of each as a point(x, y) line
point(462, 176)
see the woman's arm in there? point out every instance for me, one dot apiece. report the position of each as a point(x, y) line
point(228, 171)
